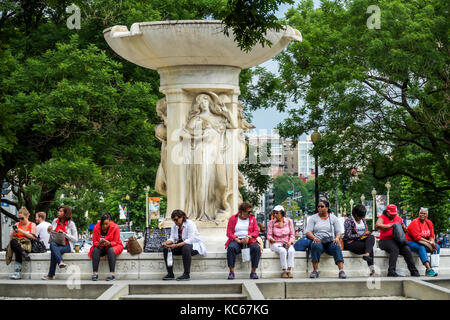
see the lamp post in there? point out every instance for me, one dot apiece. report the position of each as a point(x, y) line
point(351, 204)
point(127, 198)
point(147, 190)
point(363, 198)
point(388, 187)
point(315, 137)
point(102, 200)
point(374, 205)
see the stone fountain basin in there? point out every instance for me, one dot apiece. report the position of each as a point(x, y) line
point(160, 44)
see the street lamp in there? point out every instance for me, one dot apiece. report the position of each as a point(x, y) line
point(374, 212)
point(147, 190)
point(363, 198)
point(127, 198)
point(315, 137)
point(102, 200)
point(388, 187)
point(351, 204)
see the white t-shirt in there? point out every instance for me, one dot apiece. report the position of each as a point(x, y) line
point(241, 229)
point(42, 233)
point(360, 227)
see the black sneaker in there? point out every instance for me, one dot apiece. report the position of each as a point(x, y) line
point(392, 274)
point(169, 276)
point(111, 277)
point(415, 273)
point(94, 277)
point(26, 256)
point(184, 277)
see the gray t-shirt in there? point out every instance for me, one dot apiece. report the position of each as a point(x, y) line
point(321, 228)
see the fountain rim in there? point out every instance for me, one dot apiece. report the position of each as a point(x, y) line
point(181, 22)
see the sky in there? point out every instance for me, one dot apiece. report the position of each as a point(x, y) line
point(268, 119)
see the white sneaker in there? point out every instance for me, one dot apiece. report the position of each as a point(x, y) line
point(16, 276)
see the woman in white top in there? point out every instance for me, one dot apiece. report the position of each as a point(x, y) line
point(357, 238)
point(184, 240)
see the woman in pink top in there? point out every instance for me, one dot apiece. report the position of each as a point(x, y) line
point(388, 244)
point(281, 236)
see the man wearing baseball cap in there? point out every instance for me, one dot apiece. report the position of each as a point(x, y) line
point(388, 244)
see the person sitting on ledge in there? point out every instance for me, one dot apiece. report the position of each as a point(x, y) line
point(21, 233)
point(184, 240)
point(388, 244)
point(242, 231)
point(63, 224)
point(106, 241)
point(357, 238)
point(325, 231)
point(282, 238)
point(421, 230)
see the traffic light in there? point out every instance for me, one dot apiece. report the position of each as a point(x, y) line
point(269, 201)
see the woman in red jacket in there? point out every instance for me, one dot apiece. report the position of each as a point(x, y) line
point(421, 229)
point(106, 241)
point(242, 230)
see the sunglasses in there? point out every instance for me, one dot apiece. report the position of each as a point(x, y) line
point(21, 218)
point(321, 207)
point(176, 219)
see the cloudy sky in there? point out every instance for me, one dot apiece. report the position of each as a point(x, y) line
point(268, 119)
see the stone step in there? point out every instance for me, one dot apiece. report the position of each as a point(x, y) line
point(186, 287)
point(210, 296)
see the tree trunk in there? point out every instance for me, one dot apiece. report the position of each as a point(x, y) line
point(46, 199)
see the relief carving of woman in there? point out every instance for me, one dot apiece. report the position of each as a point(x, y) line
point(204, 152)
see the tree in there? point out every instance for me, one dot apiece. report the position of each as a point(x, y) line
point(378, 96)
point(250, 20)
point(77, 119)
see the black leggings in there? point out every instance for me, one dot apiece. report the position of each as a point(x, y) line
point(100, 252)
point(17, 249)
point(361, 246)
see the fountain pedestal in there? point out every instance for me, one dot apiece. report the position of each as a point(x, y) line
point(202, 129)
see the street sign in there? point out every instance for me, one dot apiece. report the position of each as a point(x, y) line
point(289, 191)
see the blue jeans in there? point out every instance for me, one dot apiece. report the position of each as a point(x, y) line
point(421, 250)
point(331, 249)
point(56, 256)
point(235, 248)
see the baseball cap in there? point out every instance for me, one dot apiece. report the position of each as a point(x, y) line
point(392, 209)
point(278, 208)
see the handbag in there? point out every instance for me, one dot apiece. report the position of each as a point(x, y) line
point(328, 239)
point(302, 244)
point(133, 247)
point(426, 244)
point(57, 237)
point(434, 259)
point(399, 234)
point(245, 254)
point(37, 246)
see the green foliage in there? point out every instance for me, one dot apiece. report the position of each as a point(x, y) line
point(378, 96)
point(77, 119)
point(250, 21)
point(284, 183)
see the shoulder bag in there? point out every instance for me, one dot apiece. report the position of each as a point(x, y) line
point(37, 246)
point(399, 234)
point(57, 237)
point(133, 247)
